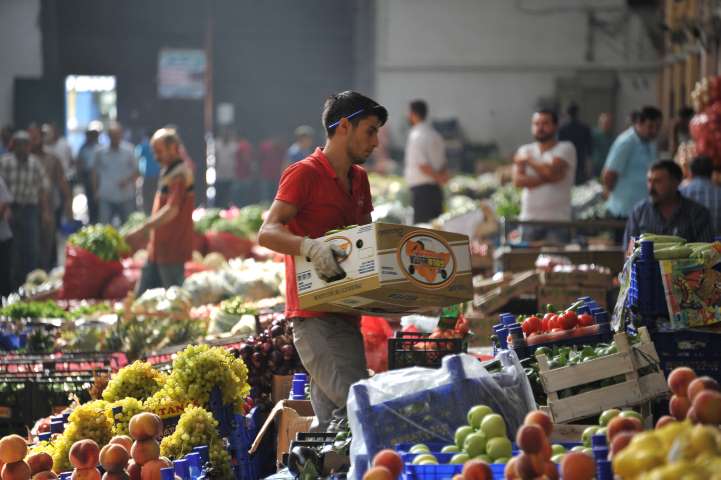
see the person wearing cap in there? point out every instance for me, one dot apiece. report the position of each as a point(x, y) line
point(85, 161)
point(327, 190)
point(303, 145)
point(425, 164)
point(28, 184)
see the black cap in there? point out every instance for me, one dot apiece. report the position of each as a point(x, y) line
point(351, 105)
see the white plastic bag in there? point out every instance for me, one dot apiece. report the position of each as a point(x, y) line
point(428, 405)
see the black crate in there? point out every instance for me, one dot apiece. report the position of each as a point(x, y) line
point(418, 350)
point(696, 349)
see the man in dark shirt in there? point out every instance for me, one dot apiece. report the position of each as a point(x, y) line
point(667, 212)
point(579, 134)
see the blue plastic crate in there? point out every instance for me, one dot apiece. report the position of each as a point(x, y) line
point(697, 349)
point(646, 297)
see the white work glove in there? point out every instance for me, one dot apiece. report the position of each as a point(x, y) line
point(323, 255)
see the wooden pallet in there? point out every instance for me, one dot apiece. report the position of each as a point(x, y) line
point(628, 361)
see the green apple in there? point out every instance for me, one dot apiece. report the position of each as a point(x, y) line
point(424, 457)
point(607, 415)
point(419, 448)
point(459, 458)
point(588, 434)
point(631, 413)
point(450, 449)
point(502, 460)
point(484, 458)
point(475, 444)
point(601, 431)
point(461, 434)
point(476, 414)
point(557, 449)
point(557, 458)
point(493, 426)
point(578, 448)
point(499, 447)
point(428, 462)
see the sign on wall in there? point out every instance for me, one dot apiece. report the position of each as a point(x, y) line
point(181, 73)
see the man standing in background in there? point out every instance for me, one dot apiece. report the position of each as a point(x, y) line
point(115, 174)
point(545, 171)
point(302, 147)
point(57, 145)
point(6, 240)
point(631, 155)
point(149, 171)
point(602, 138)
point(425, 165)
point(85, 161)
point(702, 190)
point(226, 151)
point(579, 134)
point(59, 199)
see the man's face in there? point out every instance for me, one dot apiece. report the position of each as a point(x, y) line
point(164, 153)
point(604, 122)
point(648, 129)
point(363, 139)
point(36, 137)
point(115, 134)
point(305, 142)
point(661, 185)
point(21, 148)
point(543, 128)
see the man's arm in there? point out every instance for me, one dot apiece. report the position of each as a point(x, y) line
point(64, 188)
point(616, 162)
point(549, 172)
point(610, 178)
point(273, 233)
point(522, 180)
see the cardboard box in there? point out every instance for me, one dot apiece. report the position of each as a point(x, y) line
point(390, 269)
point(280, 388)
point(587, 278)
point(562, 297)
point(290, 417)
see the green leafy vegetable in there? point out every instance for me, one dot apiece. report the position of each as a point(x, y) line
point(101, 240)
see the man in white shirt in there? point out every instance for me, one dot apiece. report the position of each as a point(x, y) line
point(226, 153)
point(425, 165)
point(545, 170)
point(57, 145)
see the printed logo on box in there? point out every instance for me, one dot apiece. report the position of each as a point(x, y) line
point(427, 260)
point(345, 244)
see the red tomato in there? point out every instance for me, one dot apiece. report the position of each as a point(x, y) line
point(568, 320)
point(546, 322)
point(531, 325)
point(585, 320)
point(553, 322)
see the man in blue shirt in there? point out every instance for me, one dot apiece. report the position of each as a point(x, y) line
point(303, 145)
point(630, 157)
point(150, 171)
point(704, 191)
point(666, 211)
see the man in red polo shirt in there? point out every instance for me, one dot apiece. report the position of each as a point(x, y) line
point(326, 191)
point(171, 224)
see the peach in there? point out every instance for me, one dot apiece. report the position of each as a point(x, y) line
point(665, 420)
point(477, 470)
point(707, 406)
point(678, 406)
point(114, 457)
point(378, 473)
point(699, 384)
point(145, 450)
point(13, 448)
point(115, 476)
point(529, 466)
point(84, 454)
point(391, 460)
point(550, 470)
point(546, 450)
point(509, 473)
point(691, 416)
point(151, 469)
point(540, 418)
point(39, 462)
point(15, 471)
point(530, 438)
point(622, 424)
point(45, 475)
point(86, 474)
point(133, 470)
point(123, 440)
point(621, 441)
point(145, 425)
point(679, 379)
point(578, 466)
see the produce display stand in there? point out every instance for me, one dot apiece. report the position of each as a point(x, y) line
point(518, 259)
point(638, 364)
point(573, 227)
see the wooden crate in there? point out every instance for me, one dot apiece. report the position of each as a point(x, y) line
point(628, 361)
